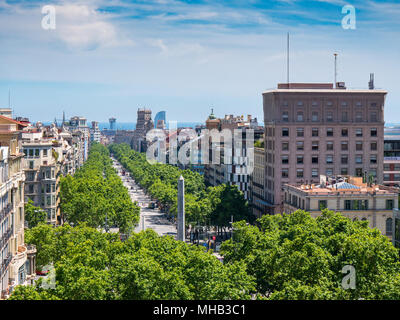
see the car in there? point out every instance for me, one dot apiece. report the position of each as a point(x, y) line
point(42, 272)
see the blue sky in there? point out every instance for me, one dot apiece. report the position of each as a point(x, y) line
point(108, 57)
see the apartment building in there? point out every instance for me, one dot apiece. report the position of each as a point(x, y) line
point(48, 155)
point(235, 171)
point(95, 133)
point(17, 260)
point(257, 180)
point(144, 124)
point(314, 129)
point(352, 197)
point(391, 157)
point(78, 126)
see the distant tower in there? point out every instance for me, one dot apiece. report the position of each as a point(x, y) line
point(112, 123)
point(55, 122)
point(63, 121)
point(181, 209)
point(159, 120)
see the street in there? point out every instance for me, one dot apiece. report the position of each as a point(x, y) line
point(149, 218)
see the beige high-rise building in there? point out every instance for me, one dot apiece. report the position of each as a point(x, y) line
point(314, 129)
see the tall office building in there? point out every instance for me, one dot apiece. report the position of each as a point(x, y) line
point(95, 133)
point(112, 122)
point(315, 129)
point(160, 120)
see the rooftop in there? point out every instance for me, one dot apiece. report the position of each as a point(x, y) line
point(318, 88)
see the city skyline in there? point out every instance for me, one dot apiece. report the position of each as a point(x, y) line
point(107, 58)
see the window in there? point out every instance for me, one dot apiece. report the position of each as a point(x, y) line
point(386, 177)
point(314, 145)
point(329, 145)
point(358, 104)
point(314, 173)
point(285, 159)
point(344, 159)
point(315, 104)
point(285, 173)
point(314, 117)
point(314, 159)
point(356, 204)
point(359, 146)
point(300, 132)
point(345, 145)
point(329, 159)
point(285, 132)
point(31, 164)
point(44, 152)
point(299, 173)
point(37, 152)
point(374, 146)
point(300, 160)
point(31, 188)
point(344, 104)
point(314, 132)
point(285, 116)
point(359, 172)
point(374, 132)
point(358, 159)
point(30, 153)
point(300, 145)
point(373, 159)
point(372, 172)
point(345, 117)
point(285, 146)
point(329, 103)
point(300, 103)
point(329, 172)
point(329, 116)
point(358, 117)
point(329, 132)
point(389, 226)
point(359, 132)
point(373, 117)
point(285, 103)
point(386, 167)
point(345, 132)
point(322, 204)
point(389, 204)
point(344, 171)
point(300, 117)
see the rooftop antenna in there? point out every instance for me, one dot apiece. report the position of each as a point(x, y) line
point(371, 85)
point(287, 60)
point(335, 54)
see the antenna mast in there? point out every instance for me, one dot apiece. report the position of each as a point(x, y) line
point(335, 54)
point(287, 53)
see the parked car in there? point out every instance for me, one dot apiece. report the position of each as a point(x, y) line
point(42, 272)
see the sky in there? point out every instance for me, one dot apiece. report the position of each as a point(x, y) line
point(109, 57)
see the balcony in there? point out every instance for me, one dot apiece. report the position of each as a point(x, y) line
point(5, 264)
point(5, 211)
point(6, 236)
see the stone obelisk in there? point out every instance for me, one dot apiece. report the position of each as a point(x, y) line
point(181, 209)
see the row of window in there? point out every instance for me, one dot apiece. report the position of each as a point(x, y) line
point(344, 146)
point(356, 204)
point(329, 159)
point(329, 132)
point(328, 172)
point(35, 153)
point(330, 103)
point(329, 117)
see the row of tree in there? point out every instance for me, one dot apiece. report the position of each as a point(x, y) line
point(93, 265)
point(212, 206)
point(97, 196)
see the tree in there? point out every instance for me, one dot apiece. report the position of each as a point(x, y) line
point(299, 257)
point(34, 215)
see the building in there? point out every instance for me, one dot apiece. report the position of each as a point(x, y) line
point(95, 134)
point(257, 180)
point(17, 260)
point(78, 127)
point(314, 129)
point(391, 157)
point(143, 125)
point(112, 122)
point(160, 120)
point(235, 172)
point(124, 136)
point(350, 196)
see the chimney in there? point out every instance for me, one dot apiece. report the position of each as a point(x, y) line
point(371, 85)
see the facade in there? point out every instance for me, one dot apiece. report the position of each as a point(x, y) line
point(124, 136)
point(95, 134)
point(143, 125)
point(17, 260)
point(76, 125)
point(235, 172)
point(351, 197)
point(257, 180)
point(314, 129)
point(391, 157)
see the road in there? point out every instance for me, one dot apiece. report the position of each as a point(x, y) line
point(149, 218)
